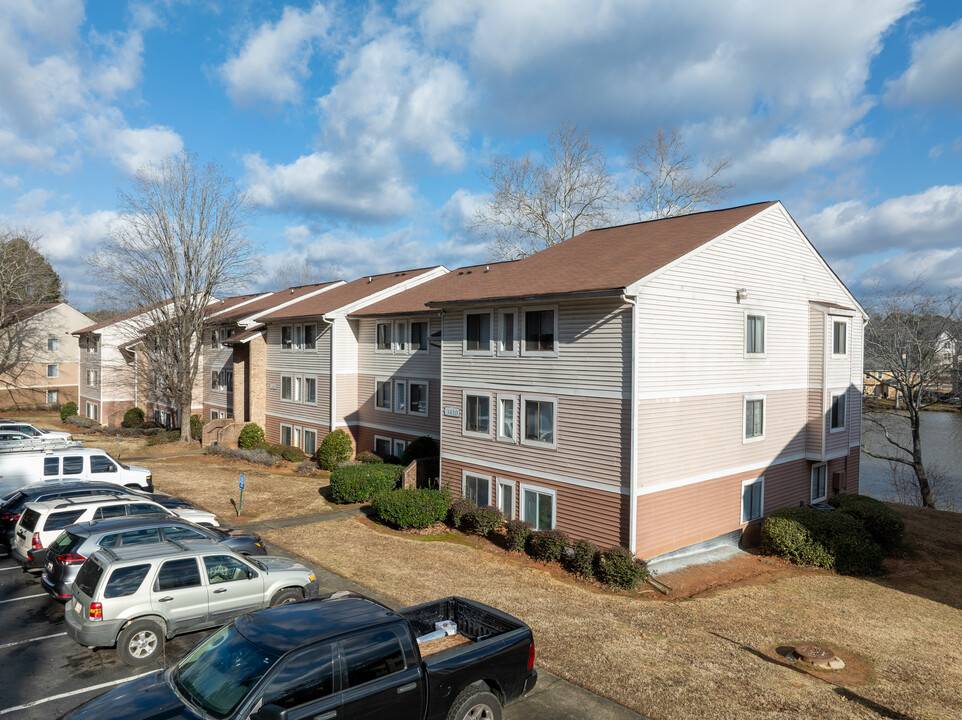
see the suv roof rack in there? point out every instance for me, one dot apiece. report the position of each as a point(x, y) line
point(88, 499)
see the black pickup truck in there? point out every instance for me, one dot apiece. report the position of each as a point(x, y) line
point(341, 657)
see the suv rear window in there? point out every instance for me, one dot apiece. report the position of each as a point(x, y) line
point(66, 543)
point(88, 577)
point(125, 581)
point(73, 465)
point(28, 521)
point(60, 520)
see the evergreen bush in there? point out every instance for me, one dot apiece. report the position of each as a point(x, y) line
point(422, 447)
point(582, 560)
point(882, 522)
point(197, 427)
point(484, 520)
point(547, 545)
point(250, 435)
point(361, 483)
point(460, 508)
point(133, 418)
point(80, 421)
point(253, 456)
point(335, 450)
point(618, 567)
point(517, 533)
point(69, 409)
point(277, 450)
point(293, 454)
point(368, 457)
point(412, 508)
point(822, 538)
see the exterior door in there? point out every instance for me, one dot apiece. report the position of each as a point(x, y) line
point(233, 587)
point(179, 595)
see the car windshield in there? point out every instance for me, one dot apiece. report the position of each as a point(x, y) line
point(220, 672)
point(12, 499)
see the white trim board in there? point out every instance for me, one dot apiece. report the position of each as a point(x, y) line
point(496, 466)
point(694, 480)
point(385, 428)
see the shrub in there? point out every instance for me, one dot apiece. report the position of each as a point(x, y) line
point(197, 427)
point(151, 425)
point(164, 437)
point(618, 567)
point(133, 418)
point(882, 522)
point(517, 533)
point(250, 435)
point(822, 538)
point(361, 483)
point(547, 545)
point(412, 508)
point(368, 457)
point(276, 449)
point(253, 456)
point(484, 520)
point(460, 508)
point(265, 446)
point(422, 447)
point(335, 450)
point(81, 421)
point(293, 454)
point(308, 467)
point(582, 559)
point(69, 409)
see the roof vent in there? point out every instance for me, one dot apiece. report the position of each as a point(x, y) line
point(370, 279)
point(487, 268)
point(468, 272)
point(292, 291)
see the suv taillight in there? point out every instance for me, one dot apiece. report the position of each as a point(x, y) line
point(71, 559)
point(35, 542)
point(96, 612)
point(10, 517)
point(531, 656)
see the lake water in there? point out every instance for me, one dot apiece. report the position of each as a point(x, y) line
point(941, 453)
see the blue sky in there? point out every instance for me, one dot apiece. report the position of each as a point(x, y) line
point(359, 129)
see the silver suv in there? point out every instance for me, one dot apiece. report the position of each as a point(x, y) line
point(137, 597)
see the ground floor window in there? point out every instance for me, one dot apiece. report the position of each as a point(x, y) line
point(538, 507)
point(382, 446)
point(399, 446)
point(92, 411)
point(753, 499)
point(819, 483)
point(506, 498)
point(52, 396)
point(477, 489)
point(310, 441)
point(287, 435)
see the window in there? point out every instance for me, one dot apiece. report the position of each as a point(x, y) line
point(506, 498)
point(73, 465)
point(418, 400)
point(110, 511)
point(93, 411)
point(58, 521)
point(287, 435)
point(51, 466)
point(298, 388)
point(287, 387)
point(310, 337)
point(507, 333)
point(537, 507)
point(305, 678)
point(213, 338)
point(754, 418)
point(52, 396)
point(399, 446)
point(839, 337)
point(753, 499)
point(224, 568)
point(755, 334)
point(214, 415)
point(92, 378)
point(382, 446)
point(125, 581)
point(145, 509)
point(477, 489)
point(310, 441)
point(400, 396)
point(838, 411)
point(419, 336)
point(477, 332)
point(371, 655)
point(477, 414)
point(400, 337)
point(102, 464)
point(287, 337)
point(506, 418)
point(539, 332)
point(176, 532)
point(819, 483)
point(382, 394)
point(225, 335)
point(53, 344)
point(176, 574)
point(539, 421)
point(384, 336)
point(132, 538)
point(92, 345)
point(225, 380)
point(310, 390)
point(52, 370)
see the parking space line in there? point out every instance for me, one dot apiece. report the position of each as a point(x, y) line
point(23, 642)
point(73, 692)
point(25, 597)
point(15, 567)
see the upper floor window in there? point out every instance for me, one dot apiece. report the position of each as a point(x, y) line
point(53, 371)
point(91, 344)
point(540, 331)
point(287, 387)
point(92, 378)
point(539, 420)
point(53, 344)
point(287, 337)
point(310, 337)
point(225, 334)
point(382, 394)
point(754, 418)
point(419, 336)
point(755, 334)
point(400, 337)
point(418, 402)
point(838, 412)
point(477, 414)
point(839, 337)
point(506, 417)
point(507, 333)
point(400, 396)
point(477, 332)
point(383, 336)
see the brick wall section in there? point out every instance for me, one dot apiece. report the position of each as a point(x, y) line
point(240, 356)
point(257, 377)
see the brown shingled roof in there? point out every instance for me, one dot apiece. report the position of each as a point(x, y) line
point(272, 300)
point(120, 318)
point(344, 295)
point(25, 312)
point(226, 303)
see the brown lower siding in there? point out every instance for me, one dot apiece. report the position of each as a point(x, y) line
point(582, 513)
point(272, 428)
point(14, 398)
point(676, 518)
point(364, 437)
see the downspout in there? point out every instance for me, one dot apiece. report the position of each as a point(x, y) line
point(136, 375)
point(333, 376)
point(633, 444)
point(441, 395)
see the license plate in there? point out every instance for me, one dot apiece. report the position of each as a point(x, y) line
point(49, 567)
point(78, 607)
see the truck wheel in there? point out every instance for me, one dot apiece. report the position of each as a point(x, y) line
point(140, 642)
point(286, 597)
point(475, 703)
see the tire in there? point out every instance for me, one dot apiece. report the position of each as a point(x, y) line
point(475, 703)
point(286, 597)
point(140, 642)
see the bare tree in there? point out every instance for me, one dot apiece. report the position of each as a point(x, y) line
point(180, 240)
point(295, 273)
point(538, 203)
point(666, 186)
point(905, 344)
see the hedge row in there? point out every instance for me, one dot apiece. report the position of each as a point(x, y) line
point(412, 508)
point(253, 456)
point(882, 522)
point(362, 483)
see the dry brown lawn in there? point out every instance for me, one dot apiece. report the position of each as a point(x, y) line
point(211, 482)
point(712, 655)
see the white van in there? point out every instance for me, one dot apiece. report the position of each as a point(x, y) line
point(18, 469)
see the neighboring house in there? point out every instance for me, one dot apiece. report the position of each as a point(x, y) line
point(40, 355)
point(653, 385)
point(312, 359)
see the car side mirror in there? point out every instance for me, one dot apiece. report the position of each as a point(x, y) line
point(251, 574)
point(271, 712)
point(113, 468)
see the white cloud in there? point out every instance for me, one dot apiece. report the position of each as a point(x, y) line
point(130, 148)
point(933, 76)
point(274, 60)
point(938, 269)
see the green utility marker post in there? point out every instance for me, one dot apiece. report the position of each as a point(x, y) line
point(240, 505)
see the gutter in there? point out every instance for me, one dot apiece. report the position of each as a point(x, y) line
point(333, 388)
point(633, 443)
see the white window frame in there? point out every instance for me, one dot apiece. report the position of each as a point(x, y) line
point(523, 331)
point(741, 500)
point(214, 415)
point(427, 337)
point(400, 344)
point(399, 446)
point(464, 414)
point(214, 380)
point(464, 330)
point(815, 468)
point(390, 339)
point(553, 445)
point(395, 408)
point(304, 390)
point(291, 328)
point(514, 436)
point(477, 476)
point(502, 483)
point(514, 335)
point(290, 429)
point(756, 355)
point(747, 399)
point(831, 407)
point(844, 352)
point(427, 398)
point(93, 378)
point(313, 345)
point(390, 400)
point(53, 398)
point(55, 368)
point(52, 341)
point(304, 433)
point(213, 340)
point(92, 411)
point(291, 397)
point(91, 344)
point(543, 491)
point(388, 440)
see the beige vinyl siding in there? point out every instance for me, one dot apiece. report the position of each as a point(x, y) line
point(215, 360)
point(816, 378)
point(388, 364)
point(314, 361)
point(412, 423)
point(317, 412)
point(345, 346)
point(347, 399)
point(838, 442)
